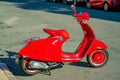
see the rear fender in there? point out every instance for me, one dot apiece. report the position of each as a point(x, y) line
point(97, 45)
point(29, 50)
point(45, 49)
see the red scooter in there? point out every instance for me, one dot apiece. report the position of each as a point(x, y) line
point(40, 55)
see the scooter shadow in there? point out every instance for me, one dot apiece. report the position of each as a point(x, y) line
point(80, 64)
point(8, 57)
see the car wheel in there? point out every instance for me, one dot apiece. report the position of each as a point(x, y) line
point(46, 0)
point(64, 1)
point(54, 1)
point(74, 2)
point(106, 7)
point(88, 4)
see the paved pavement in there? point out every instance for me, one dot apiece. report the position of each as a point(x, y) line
point(2, 74)
point(5, 73)
point(21, 19)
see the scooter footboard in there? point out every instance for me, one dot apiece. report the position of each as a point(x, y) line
point(96, 45)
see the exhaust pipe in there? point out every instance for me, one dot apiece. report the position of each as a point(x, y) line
point(38, 65)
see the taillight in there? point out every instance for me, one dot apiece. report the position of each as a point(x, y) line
point(29, 40)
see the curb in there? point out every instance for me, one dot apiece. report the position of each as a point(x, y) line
point(5, 74)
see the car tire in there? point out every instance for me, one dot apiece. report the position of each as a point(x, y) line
point(64, 1)
point(55, 1)
point(88, 4)
point(106, 7)
point(74, 2)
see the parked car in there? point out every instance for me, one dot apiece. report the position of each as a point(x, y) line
point(105, 4)
point(54, 0)
point(68, 1)
point(74, 2)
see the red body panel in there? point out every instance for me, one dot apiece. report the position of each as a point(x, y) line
point(44, 49)
point(50, 48)
point(97, 3)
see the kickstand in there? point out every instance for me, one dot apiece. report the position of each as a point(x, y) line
point(46, 72)
point(49, 73)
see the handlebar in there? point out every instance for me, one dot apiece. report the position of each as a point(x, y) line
point(80, 17)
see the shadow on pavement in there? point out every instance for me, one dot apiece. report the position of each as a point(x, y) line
point(81, 64)
point(8, 57)
point(64, 9)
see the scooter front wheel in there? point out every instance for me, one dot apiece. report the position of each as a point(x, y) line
point(98, 58)
point(25, 67)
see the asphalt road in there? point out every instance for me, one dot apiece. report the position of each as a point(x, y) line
point(21, 19)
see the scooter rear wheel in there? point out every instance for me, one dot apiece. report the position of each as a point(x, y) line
point(24, 66)
point(98, 58)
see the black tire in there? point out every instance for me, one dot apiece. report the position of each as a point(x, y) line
point(54, 1)
point(24, 66)
point(88, 4)
point(74, 2)
point(106, 7)
point(46, 0)
point(98, 58)
point(64, 2)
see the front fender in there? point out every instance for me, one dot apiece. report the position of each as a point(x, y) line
point(97, 45)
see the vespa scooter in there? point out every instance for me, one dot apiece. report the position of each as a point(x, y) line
point(43, 54)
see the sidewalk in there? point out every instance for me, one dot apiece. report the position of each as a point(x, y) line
point(5, 74)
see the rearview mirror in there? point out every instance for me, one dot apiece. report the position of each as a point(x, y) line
point(73, 7)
